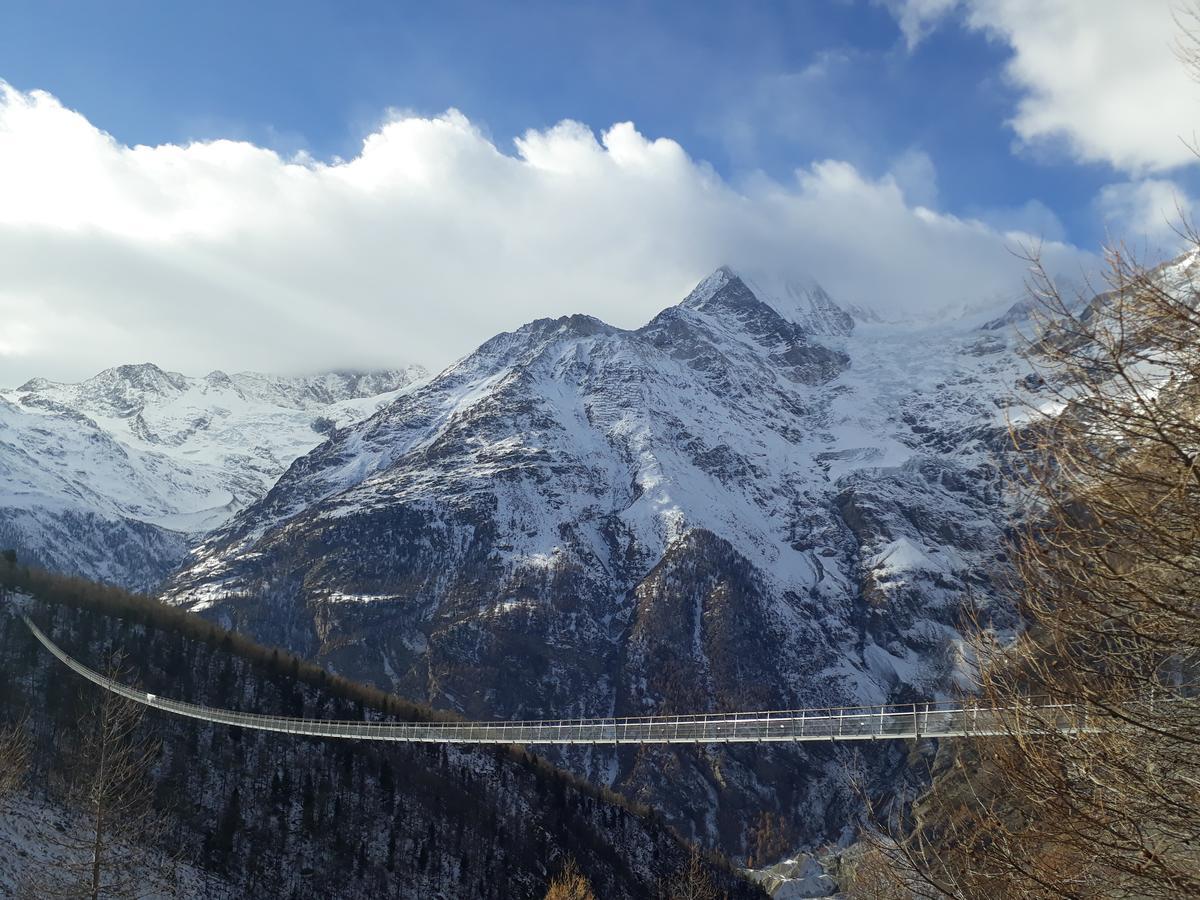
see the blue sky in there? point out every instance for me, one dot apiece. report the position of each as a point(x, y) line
point(726, 80)
point(964, 105)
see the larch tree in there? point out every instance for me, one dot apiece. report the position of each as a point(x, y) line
point(689, 882)
point(1107, 578)
point(112, 850)
point(570, 884)
point(14, 759)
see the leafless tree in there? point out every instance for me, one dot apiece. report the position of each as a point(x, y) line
point(14, 758)
point(1107, 575)
point(690, 882)
point(872, 874)
point(570, 884)
point(114, 851)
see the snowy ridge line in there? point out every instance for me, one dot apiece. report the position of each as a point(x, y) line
point(942, 719)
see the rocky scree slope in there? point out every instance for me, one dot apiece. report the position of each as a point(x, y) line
point(757, 500)
point(112, 477)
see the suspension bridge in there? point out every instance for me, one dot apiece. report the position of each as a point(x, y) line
point(940, 719)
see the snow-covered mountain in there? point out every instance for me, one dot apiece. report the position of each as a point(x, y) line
point(759, 499)
point(112, 477)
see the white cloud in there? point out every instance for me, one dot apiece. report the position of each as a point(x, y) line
point(223, 254)
point(1030, 217)
point(917, 18)
point(1148, 211)
point(807, 110)
point(1099, 78)
point(916, 175)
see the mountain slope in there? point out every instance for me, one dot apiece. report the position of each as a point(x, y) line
point(110, 476)
point(314, 819)
point(752, 501)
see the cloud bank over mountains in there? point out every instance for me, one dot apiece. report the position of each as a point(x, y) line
point(223, 254)
point(1100, 80)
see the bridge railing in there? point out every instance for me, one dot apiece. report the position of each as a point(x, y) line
point(945, 718)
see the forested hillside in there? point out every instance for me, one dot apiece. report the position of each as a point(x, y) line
point(274, 815)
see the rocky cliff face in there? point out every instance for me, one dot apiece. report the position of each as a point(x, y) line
point(758, 499)
point(113, 477)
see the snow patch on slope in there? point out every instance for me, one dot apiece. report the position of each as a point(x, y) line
point(153, 456)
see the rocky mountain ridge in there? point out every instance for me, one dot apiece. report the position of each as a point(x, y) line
point(750, 502)
point(114, 476)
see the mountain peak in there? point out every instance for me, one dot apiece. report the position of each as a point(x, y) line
point(576, 325)
point(140, 376)
point(710, 286)
point(216, 376)
point(36, 384)
point(123, 390)
point(801, 301)
point(313, 391)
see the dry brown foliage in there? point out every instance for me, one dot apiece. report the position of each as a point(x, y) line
point(571, 884)
point(771, 838)
point(14, 758)
point(872, 875)
point(691, 882)
point(1108, 578)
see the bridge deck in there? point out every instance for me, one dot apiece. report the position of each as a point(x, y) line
point(933, 719)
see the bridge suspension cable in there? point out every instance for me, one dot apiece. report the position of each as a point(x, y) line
point(938, 719)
